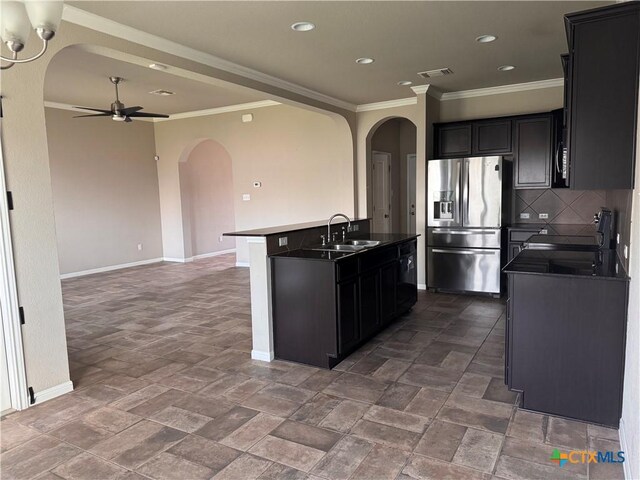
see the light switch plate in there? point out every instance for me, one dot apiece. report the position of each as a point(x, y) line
point(617, 238)
point(355, 228)
point(543, 215)
point(524, 216)
point(246, 197)
point(626, 252)
point(282, 241)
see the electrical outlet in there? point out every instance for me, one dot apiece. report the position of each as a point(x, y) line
point(544, 231)
point(246, 197)
point(543, 215)
point(139, 247)
point(355, 228)
point(618, 238)
point(283, 241)
point(220, 238)
point(626, 252)
point(524, 216)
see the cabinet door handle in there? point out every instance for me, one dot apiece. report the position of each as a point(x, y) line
point(558, 150)
point(465, 252)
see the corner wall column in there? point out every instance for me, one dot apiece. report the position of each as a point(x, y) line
point(261, 317)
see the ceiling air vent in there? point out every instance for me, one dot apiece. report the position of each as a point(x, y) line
point(162, 93)
point(438, 72)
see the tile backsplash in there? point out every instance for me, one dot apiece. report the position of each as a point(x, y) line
point(561, 205)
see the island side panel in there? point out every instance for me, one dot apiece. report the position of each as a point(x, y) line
point(261, 317)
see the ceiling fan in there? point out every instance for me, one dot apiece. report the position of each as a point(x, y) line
point(118, 112)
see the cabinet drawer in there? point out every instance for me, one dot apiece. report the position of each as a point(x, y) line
point(346, 268)
point(521, 235)
point(376, 258)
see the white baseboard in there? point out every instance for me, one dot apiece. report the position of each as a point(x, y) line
point(214, 254)
point(242, 264)
point(109, 268)
point(178, 260)
point(263, 356)
point(422, 286)
point(53, 392)
point(624, 446)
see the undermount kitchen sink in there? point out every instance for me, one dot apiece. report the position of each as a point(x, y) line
point(349, 246)
point(362, 243)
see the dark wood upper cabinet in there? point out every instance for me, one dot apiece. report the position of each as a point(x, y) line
point(533, 150)
point(453, 140)
point(492, 137)
point(604, 56)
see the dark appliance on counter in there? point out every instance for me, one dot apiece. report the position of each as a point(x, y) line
point(604, 221)
point(467, 202)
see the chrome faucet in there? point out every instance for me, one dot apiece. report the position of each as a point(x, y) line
point(331, 219)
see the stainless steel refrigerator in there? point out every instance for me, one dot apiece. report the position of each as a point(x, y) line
point(467, 200)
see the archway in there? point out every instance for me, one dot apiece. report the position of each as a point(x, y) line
point(206, 193)
point(391, 164)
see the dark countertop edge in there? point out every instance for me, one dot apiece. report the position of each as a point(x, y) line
point(290, 254)
point(531, 226)
point(296, 227)
point(624, 278)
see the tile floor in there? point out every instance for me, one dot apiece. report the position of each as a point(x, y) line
point(165, 389)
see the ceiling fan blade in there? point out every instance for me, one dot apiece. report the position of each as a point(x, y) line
point(130, 110)
point(148, 115)
point(94, 115)
point(95, 110)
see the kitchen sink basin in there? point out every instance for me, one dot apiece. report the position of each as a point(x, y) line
point(362, 243)
point(341, 247)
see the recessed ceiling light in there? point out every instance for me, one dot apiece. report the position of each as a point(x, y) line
point(365, 60)
point(404, 83)
point(158, 66)
point(486, 38)
point(505, 68)
point(162, 93)
point(302, 26)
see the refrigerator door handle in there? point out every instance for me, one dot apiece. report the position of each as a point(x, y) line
point(464, 208)
point(466, 252)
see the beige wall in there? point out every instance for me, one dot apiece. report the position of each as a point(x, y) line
point(206, 181)
point(303, 159)
point(529, 101)
point(105, 191)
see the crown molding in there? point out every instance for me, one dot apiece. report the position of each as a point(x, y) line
point(219, 110)
point(101, 24)
point(176, 116)
point(401, 102)
point(516, 87)
point(418, 89)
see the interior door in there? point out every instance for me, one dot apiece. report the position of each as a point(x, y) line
point(411, 194)
point(381, 192)
point(482, 192)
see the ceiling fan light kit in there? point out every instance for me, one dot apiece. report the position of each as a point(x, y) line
point(118, 112)
point(17, 19)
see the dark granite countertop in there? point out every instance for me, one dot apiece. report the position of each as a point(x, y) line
point(280, 229)
point(310, 253)
point(603, 264)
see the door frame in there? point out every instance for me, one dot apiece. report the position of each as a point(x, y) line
point(11, 326)
point(389, 185)
point(412, 159)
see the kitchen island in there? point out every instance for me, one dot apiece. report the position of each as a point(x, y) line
point(327, 301)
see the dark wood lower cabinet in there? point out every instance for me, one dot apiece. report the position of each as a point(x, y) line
point(565, 345)
point(323, 310)
point(348, 315)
